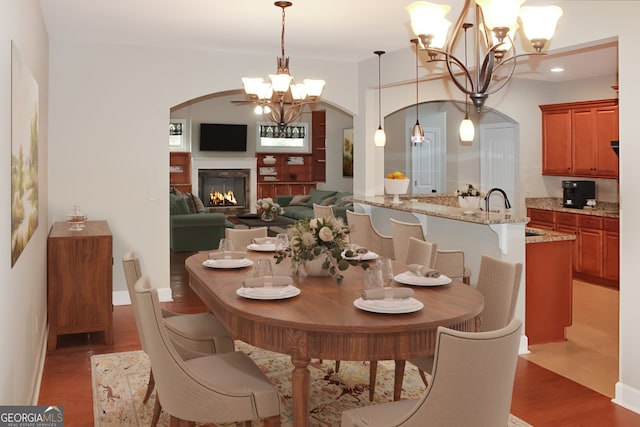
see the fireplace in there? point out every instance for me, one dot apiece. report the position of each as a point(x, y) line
point(224, 188)
point(231, 181)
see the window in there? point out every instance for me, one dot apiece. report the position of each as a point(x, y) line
point(294, 138)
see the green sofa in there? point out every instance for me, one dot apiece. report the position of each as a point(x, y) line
point(199, 231)
point(302, 207)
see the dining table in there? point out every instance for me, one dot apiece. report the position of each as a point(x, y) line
point(323, 322)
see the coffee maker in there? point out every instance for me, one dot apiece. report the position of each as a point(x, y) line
point(576, 193)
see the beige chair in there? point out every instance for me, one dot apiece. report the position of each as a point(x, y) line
point(195, 332)
point(218, 388)
point(472, 384)
point(321, 211)
point(421, 252)
point(363, 233)
point(241, 237)
point(499, 283)
point(451, 264)
point(401, 231)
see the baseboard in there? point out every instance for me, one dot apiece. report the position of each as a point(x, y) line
point(122, 297)
point(627, 397)
point(35, 394)
point(524, 345)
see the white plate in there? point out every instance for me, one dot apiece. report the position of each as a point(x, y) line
point(276, 292)
point(264, 247)
point(394, 306)
point(410, 278)
point(362, 257)
point(228, 263)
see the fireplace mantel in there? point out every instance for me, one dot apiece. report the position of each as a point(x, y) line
point(229, 163)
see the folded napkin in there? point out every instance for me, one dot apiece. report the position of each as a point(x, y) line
point(227, 255)
point(357, 250)
point(421, 270)
point(263, 240)
point(257, 282)
point(396, 293)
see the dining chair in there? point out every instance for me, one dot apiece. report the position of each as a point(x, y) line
point(400, 232)
point(421, 252)
point(241, 237)
point(472, 384)
point(363, 233)
point(321, 211)
point(197, 333)
point(216, 388)
point(450, 262)
point(499, 284)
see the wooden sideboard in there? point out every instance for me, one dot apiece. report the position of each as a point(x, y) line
point(79, 270)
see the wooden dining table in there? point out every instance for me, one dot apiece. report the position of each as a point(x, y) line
point(322, 321)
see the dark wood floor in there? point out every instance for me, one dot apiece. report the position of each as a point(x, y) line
point(540, 397)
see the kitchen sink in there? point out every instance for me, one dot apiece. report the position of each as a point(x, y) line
point(533, 233)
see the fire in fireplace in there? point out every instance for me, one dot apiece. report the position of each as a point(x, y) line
point(224, 188)
point(217, 198)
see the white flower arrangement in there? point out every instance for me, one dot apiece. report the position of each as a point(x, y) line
point(318, 237)
point(469, 190)
point(267, 204)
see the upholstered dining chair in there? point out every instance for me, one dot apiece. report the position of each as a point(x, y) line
point(363, 233)
point(472, 384)
point(241, 237)
point(217, 388)
point(499, 283)
point(450, 262)
point(321, 211)
point(200, 333)
point(421, 252)
point(401, 231)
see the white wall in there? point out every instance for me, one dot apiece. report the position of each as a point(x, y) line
point(24, 286)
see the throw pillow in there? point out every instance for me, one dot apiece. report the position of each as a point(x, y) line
point(299, 200)
point(328, 201)
point(178, 205)
point(194, 203)
point(318, 196)
point(340, 199)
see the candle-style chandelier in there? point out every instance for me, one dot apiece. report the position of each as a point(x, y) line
point(495, 25)
point(281, 99)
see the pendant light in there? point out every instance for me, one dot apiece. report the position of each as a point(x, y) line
point(467, 130)
point(380, 138)
point(417, 133)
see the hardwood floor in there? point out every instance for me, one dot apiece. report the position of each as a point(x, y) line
point(541, 397)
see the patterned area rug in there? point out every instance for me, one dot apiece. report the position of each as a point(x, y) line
point(119, 382)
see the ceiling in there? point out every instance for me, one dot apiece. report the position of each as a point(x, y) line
point(330, 29)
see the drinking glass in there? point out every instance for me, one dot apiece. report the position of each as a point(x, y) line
point(373, 279)
point(282, 242)
point(262, 268)
point(226, 246)
point(386, 269)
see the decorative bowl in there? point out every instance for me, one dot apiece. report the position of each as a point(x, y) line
point(396, 187)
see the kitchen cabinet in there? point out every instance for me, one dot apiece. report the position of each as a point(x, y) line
point(576, 139)
point(568, 223)
point(79, 280)
point(611, 265)
point(541, 218)
point(590, 250)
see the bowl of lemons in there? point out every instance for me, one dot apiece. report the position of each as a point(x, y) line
point(396, 183)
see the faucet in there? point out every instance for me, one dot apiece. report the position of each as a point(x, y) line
point(507, 205)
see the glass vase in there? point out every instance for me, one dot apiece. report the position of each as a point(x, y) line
point(268, 215)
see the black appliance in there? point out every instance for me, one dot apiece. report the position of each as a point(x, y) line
point(576, 193)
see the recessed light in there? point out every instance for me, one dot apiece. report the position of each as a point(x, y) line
point(557, 70)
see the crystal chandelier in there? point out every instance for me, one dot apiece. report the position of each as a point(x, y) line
point(281, 99)
point(495, 25)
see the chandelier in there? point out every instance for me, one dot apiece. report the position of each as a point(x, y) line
point(281, 99)
point(495, 26)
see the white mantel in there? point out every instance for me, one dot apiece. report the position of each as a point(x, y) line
point(228, 163)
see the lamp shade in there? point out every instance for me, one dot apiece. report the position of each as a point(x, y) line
point(280, 82)
point(252, 85)
point(540, 22)
point(500, 13)
point(428, 19)
point(467, 130)
point(417, 133)
point(380, 138)
point(314, 87)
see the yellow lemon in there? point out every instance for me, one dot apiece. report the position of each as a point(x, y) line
point(398, 175)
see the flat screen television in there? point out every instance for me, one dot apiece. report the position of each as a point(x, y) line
point(223, 137)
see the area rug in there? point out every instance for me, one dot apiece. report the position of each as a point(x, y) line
point(119, 382)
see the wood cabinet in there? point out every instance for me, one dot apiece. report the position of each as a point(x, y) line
point(590, 250)
point(541, 218)
point(576, 139)
point(180, 171)
point(318, 145)
point(286, 174)
point(611, 247)
point(79, 280)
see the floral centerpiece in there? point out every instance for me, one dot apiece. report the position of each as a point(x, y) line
point(319, 241)
point(269, 208)
point(469, 196)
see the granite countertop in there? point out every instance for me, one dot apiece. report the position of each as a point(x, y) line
point(543, 236)
point(604, 209)
point(441, 206)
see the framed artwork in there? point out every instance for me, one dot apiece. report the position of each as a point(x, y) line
point(347, 152)
point(177, 134)
point(24, 154)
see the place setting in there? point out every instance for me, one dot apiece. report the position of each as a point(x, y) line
point(227, 257)
point(269, 244)
point(378, 296)
point(263, 285)
point(358, 253)
point(420, 275)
